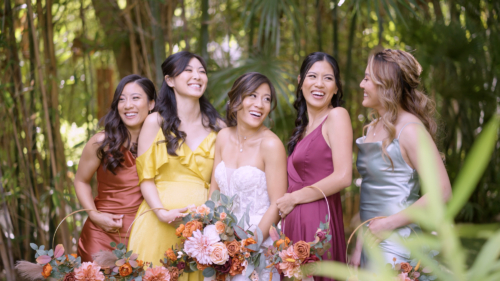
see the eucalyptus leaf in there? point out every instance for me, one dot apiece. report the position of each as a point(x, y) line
point(33, 246)
point(240, 232)
point(209, 272)
point(224, 198)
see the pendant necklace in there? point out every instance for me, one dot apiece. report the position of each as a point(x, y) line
point(245, 137)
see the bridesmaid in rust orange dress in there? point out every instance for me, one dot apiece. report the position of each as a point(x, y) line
point(111, 154)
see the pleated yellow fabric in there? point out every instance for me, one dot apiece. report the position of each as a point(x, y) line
point(181, 180)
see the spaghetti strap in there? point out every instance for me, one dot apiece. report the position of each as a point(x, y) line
point(406, 125)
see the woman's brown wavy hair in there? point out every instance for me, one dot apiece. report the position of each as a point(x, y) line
point(397, 76)
point(116, 135)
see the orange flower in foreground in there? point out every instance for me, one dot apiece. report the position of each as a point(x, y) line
point(191, 227)
point(302, 249)
point(140, 263)
point(281, 241)
point(246, 242)
point(220, 227)
point(47, 269)
point(236, 266)
point(406, 267)
point(171, 255)
point(201, 266)
point(233, 247)
point(179, 230)
point(125, 270)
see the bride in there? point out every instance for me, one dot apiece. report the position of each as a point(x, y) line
point(250, 160)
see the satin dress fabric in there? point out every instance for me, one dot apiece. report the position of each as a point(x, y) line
point(310, 162)
point(181, 180)
point(386, 191)
point(118, 194)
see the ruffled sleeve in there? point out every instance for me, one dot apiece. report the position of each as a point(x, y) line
point(149, 163)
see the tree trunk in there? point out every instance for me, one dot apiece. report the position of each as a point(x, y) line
point(204, 30)
point(352, 30)
point(335, 30)
point(158, 41)
point(318, 26)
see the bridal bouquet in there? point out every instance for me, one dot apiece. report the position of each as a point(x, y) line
point(288, 256)
point(412, 271)
point(215, 242)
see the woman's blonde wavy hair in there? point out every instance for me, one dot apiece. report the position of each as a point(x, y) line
point(397, 76)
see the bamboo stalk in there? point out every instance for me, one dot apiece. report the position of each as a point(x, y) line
point(144, 49)
point(132, 39)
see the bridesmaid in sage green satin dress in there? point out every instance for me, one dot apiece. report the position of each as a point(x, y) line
point(387, 158)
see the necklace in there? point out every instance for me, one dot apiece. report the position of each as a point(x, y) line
point(245, 137)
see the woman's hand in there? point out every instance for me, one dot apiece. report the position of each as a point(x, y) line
point(172, 217)
point(356, 254)
point(286, 204)
point(380, 229)
point(108, 222)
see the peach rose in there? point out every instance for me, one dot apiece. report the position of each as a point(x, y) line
point(203, 210)
point(47, 269)
point(236, 266)
point(302, 249)
point(233, 247)
point(406, 267)
point(246, 242)
point(219, 254)
point(220, 227)
point(191, 227)
point(223, 215)
point(125, 270)
point(179, 230)
point(281, 241)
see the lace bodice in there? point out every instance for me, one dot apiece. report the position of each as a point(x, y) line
point(248, 184)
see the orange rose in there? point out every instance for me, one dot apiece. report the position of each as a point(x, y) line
point(47, 269)
point(302, 249)
point(281, 241)
point(125, 270)
point(171, 255)
point(248, 241)
point(201, 266)
point(140, 263)
point(233, 247)
point(220, 227)
point(191, 227)
point(174, 273)
point(179, 230)
point(236, 266)
point(406, 267)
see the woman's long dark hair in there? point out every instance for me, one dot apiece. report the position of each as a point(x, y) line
point(116, 135)
point(242, 87)
point(300, 102)
point(167, 104)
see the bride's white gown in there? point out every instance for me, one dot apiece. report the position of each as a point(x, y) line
point(249, 185)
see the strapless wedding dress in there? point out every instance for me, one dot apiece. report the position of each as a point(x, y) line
point(248, 186)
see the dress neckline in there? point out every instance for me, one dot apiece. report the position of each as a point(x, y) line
point(244, 166)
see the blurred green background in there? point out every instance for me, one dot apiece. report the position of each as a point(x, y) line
point(61, 60)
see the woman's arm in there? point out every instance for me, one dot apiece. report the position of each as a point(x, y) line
point(148, 187)
point(221, 138)
point(274, 155)
point(409, 142)
point(339, 131)
point(88, 165)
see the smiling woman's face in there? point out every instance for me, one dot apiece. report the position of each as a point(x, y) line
point(255, 107)
point(319, 85)
point(134, 106)
point(191, 82)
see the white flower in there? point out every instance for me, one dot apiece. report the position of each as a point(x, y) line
point(179, 254)
point(210, 231)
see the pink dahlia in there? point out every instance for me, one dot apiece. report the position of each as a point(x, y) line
point(158, 273)
point(199, 246)
point(290, 264)
point(89, 271)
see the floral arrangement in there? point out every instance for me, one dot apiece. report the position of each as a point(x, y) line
point(55, 264)
point(288, 257)
point(214, 241)
point(412, 271)
point(120, 264)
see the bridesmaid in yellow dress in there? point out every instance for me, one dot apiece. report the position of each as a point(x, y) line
point(176, 148)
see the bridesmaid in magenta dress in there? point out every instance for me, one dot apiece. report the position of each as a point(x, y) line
point(320, 155)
